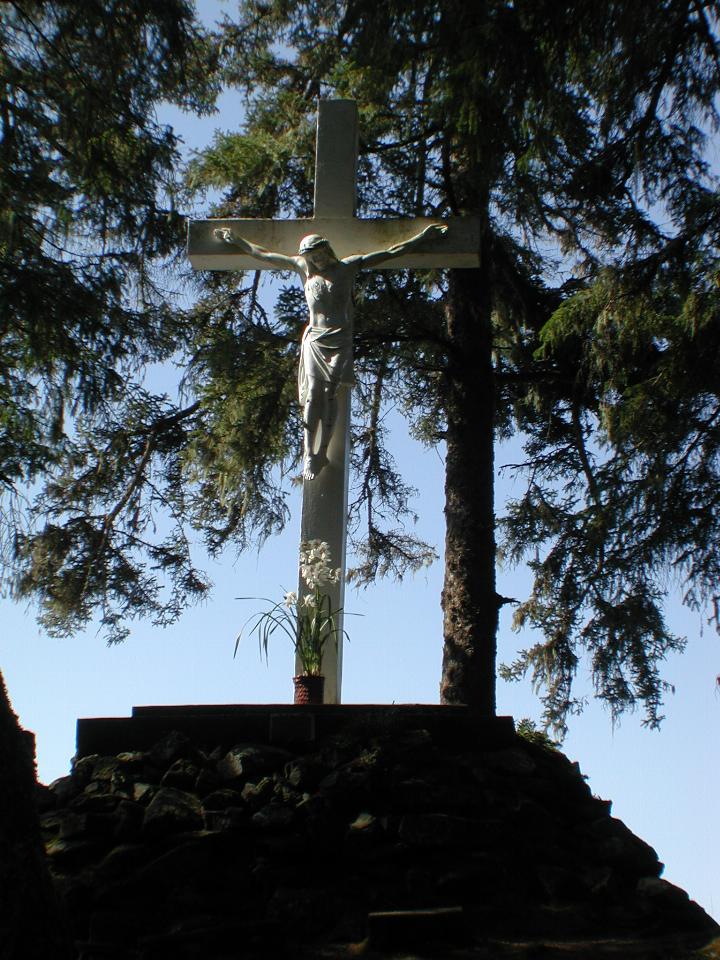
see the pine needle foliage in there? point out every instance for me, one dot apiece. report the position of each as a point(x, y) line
point(88, 211)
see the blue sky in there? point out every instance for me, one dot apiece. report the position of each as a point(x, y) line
point(664, 784)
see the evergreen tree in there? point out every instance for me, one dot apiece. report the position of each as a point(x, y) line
point(88, 190)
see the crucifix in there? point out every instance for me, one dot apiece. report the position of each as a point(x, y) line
point(327, 250)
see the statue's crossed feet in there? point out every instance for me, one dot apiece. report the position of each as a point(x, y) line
point(313, 465)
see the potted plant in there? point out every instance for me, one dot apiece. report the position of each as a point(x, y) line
point(307, 619)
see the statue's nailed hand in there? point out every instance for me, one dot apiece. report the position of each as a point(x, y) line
point(224, 234)
point(434, 231)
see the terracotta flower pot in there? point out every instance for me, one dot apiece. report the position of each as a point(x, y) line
point(309, 689)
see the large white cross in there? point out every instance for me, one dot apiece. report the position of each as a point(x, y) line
point(325, 499)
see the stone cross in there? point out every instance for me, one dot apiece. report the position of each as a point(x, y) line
point(325, 498)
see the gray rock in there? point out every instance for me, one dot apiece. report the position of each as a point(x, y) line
point(364, 823)
point(516, 762)
point(411, 744)
point(307, 910)
point(102, 826)
point(105, 928)
point(417, 795)
point(250, 761)
point(132, 758)
point(174, 746)
point(443, 830)
point(655, 888)
point(172, 811)
point(73, 825)
point(185, 868)
point(348, 787)
point(143, 792)
point(402, 931)
point(530, 819)
point(476, 880)
point(274, 816)
point(128, 821)
point(286, 793)
point(559, 883)
point(207, 781)
point(566, 920)
point(221, 799)
point(73, 854)
point(97, 788)
point(304, 773)
point(598, 880)
point(588, 808)
point(82, 768)
point(363, 836)
point(182, 775)
point(613, 842)
point(94, 800)
point(476, 770)
point(45, 799)
point(256, 795)
point(121, 861)
point(111, 775)
point(105, 769)
point(229, 819)
point(237, 764)
point(51, 822)
point(412, 795)
point(64, 790)
point(571, 782)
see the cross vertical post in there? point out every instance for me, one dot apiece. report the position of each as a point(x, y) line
point(325, 499)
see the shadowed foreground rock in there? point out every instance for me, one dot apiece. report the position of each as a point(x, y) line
point(365, 843)
point(31, 926)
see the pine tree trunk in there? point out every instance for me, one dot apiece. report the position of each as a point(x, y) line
point(30, 921)
point(469, 599)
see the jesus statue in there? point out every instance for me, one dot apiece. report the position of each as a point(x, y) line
point(326, 356)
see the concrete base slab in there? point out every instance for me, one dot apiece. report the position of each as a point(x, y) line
point(229, 724)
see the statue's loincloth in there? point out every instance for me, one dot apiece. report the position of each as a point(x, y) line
point(325, 354)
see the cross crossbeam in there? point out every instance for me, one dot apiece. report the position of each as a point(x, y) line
point(348, 235)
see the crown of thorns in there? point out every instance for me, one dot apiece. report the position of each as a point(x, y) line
point(312, 242)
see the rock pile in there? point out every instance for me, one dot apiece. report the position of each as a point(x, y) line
point(257, 851)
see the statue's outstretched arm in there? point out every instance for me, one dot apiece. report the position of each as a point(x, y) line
point(398, 249)
point(277, 260)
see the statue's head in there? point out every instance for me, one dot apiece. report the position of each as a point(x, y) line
point(314, 243)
